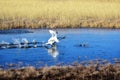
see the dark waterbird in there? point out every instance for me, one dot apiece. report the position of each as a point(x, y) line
point(83, 44)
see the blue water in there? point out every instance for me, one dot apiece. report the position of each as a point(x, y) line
point(101, 44)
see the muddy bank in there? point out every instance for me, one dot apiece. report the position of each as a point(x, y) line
point(58, 23)
point(74, 72)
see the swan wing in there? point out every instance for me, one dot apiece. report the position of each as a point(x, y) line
point(56, 39)
point(53, 33)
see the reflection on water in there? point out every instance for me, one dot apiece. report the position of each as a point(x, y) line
point(78, 45)
point(53, 51)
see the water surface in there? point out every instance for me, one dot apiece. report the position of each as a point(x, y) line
point(101, 44)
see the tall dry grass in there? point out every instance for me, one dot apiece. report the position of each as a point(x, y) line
point(58, 13)
point(78, 72)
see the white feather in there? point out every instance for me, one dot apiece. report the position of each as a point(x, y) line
point(53, 39)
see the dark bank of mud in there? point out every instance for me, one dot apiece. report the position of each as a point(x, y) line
point(15, 31)
point(91, 71)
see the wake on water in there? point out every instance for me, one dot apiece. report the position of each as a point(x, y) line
point(24, 43)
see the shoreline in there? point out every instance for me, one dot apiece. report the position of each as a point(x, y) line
point(25, 23)
point(76, 72)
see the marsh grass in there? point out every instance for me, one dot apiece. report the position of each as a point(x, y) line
point(78, 72)
point(97, 69)
point(59, 13)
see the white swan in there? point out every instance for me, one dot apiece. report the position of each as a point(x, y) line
point(35, 43)
point(25, 41)
point(16, 41)
point(4, 44)
point(53, 39)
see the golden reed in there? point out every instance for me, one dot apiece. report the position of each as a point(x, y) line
point(59, 13)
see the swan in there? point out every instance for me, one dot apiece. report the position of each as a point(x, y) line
point(25, 41)
point(17, 42)
point(4, 44)
point(35, 43)
point(53, 39)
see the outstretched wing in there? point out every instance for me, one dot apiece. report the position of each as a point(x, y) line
point(53, 33)
point(53, 38)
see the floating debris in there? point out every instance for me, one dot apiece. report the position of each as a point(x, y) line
point(83, 45)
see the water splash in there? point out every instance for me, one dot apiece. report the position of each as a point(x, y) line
point(25, 42)
point(4, 44)
point(17, 42)
point(35, 43)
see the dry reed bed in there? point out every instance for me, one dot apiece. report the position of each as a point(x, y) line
point(59, 13)
point(55, 23)
point(76, 72)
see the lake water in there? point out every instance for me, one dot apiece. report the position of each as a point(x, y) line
point(99, 44)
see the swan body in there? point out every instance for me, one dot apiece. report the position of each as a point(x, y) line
point(53, 39)
point(25, 41)
point(16, 41)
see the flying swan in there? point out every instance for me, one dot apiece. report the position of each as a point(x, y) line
point(53, 39)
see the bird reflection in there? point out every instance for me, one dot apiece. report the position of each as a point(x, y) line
point(53, 51)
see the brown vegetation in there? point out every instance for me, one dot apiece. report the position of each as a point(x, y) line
point(55, 23)
point(59, 13)
point(74, 72)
